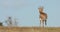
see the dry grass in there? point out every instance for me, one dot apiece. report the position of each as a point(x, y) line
point(29, 29)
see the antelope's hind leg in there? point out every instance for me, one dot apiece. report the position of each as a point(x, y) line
point(45, 22)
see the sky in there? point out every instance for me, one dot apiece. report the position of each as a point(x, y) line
point(26, 11)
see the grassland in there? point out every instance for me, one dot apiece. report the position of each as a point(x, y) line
point(29, 29)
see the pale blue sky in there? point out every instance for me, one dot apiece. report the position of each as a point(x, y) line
point(26, 11)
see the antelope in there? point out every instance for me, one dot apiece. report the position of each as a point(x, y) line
point(42, 16)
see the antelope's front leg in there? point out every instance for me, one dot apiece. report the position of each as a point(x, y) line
point(40, 22)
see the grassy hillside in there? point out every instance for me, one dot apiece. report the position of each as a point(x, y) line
point(29, 29)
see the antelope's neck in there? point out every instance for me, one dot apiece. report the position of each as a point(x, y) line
point(41, 12)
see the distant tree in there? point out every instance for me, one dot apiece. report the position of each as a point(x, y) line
point(11, 22)
point(15, 22)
